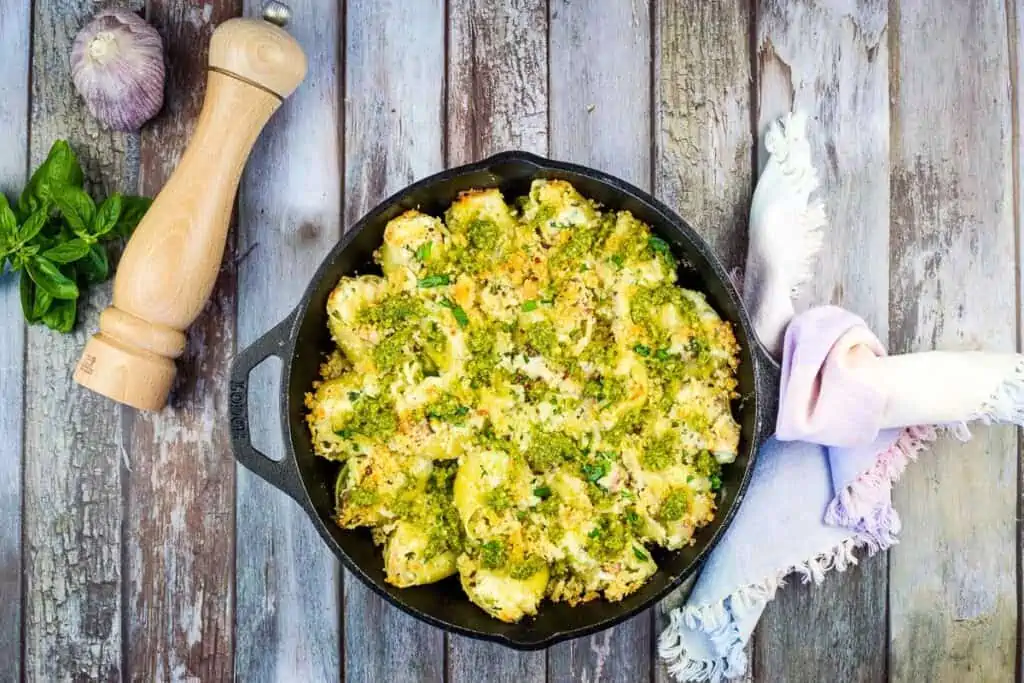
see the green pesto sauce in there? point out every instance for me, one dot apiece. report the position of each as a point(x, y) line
point(498, 499)
point(372, 416)
point(493, 555)
point(608, 539)
point(445, 533)
point(606, 389)
point(675, 506)
point(567, 259)
point(447, 408)
point(361, 497)
point(659, 454)
point(390, 353)
point(526, 568)
point(483, 359)
point(631, 423)
point(540, 338)
point(647, 303)
point(548, 450)
point(396, 311)
point(705, 464)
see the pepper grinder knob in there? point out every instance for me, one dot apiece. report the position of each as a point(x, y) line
point(170, 264)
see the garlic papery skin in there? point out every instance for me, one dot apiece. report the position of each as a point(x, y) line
point(117, 65)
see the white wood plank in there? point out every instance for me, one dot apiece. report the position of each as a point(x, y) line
point(287, 581)
point(830, 60)
point(600, 113)
point(72, 474)
point(497, 100)
point(15, 21)
point(704, 138)
point(953, 582)
point(394, 114)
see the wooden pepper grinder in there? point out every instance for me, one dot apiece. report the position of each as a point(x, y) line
point(170, 264)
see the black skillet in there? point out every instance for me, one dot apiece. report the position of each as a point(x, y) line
point(301, 340)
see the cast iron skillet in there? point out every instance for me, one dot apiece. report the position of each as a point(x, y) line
point(301, 340)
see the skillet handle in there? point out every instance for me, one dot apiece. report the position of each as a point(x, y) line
point(283, 474)
point(768, 380)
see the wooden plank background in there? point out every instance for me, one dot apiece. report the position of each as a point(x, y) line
point(131, 547)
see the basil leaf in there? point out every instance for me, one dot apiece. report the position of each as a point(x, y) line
point(67, 252)
point(40, 304)
point(8, 221)
point(95, 265)
point(77, 208)
point(60, 170)
point(47, 276)
point(61, 316)
point(132, 211)
point(31, 227)
point(107, 215)
point(28, 295)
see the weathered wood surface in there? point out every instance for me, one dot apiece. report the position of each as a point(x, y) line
point(497, 100)
point(704, 137)
point(600, 116)
point(953, 577)
point(288, 584)
point(72, 520)
point(110, 572)
point(394, 134)
point(830, 60)
point(181, 478)
point(15, 20)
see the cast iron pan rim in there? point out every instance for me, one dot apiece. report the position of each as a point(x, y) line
point(760, 357)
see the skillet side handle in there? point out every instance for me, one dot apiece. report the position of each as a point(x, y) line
point(768, 379)
point(282, 474)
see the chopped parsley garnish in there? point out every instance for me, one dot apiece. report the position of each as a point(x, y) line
point(640, 554)
point(435, 281)
point(423, 252)
point(642, 350)
point(529, 305)
point(457, 312)
point(716, 483)
point(542, 491)
point(594, 471)
point(493, 555)
point(617, 260)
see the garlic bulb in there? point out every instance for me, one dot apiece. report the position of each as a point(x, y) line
point(117, 65)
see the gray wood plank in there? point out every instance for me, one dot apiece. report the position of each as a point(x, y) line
point(497, 78)
point(952, 592)
point(497, 100)
point(703, 138)
point(832, 63)
point(394, 117)
point(287, 581)
point(180, 490)
point(72, 475)
point(15, 21)
point(600, 115)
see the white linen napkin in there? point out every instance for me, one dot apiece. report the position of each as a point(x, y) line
point(850, 419)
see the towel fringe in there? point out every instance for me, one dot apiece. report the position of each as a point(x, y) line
point(865, 506)
point(1005, 405)
point(717, 621)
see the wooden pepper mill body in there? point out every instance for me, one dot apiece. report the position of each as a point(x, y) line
point(170, 265)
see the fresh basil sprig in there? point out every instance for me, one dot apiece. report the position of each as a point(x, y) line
point(57, 237)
